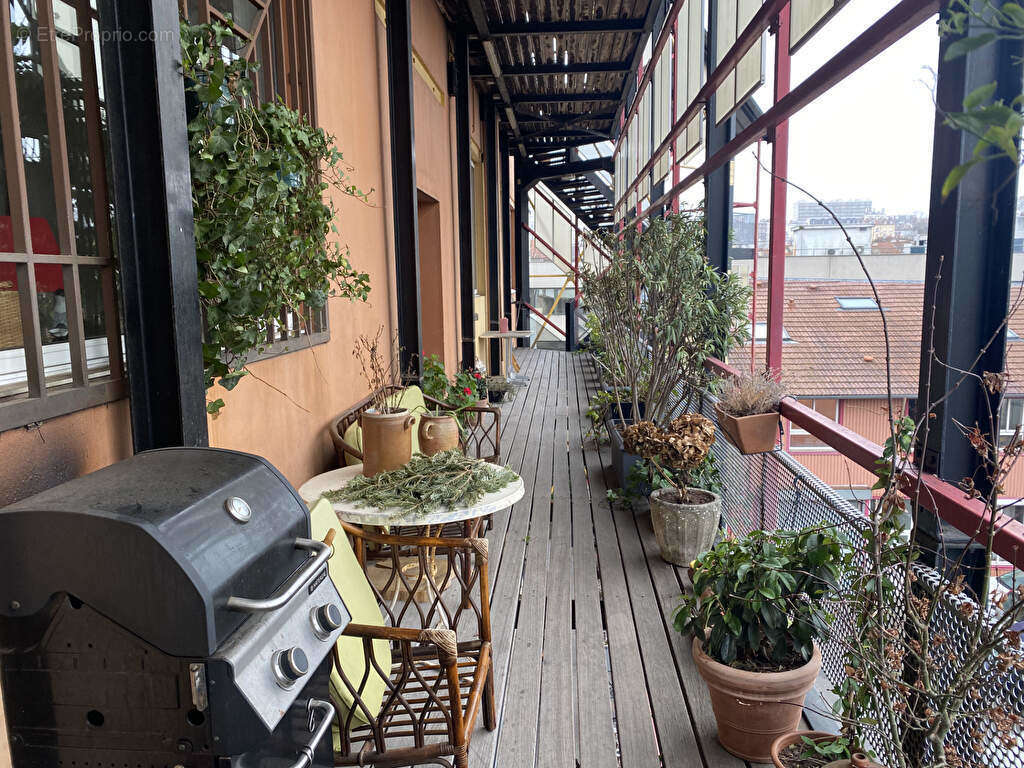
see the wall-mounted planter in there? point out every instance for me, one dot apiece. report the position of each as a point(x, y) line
point(750, 434)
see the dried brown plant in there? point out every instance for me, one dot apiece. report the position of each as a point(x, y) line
point(380, 362)
point(751, 395)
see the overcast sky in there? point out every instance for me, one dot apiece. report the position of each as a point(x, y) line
point(871, 135)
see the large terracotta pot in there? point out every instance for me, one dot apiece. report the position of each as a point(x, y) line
point(753, 709)
point(438, 433)
point(859, 759)
point(750, 434)
point(684, 531)
point(387, 440)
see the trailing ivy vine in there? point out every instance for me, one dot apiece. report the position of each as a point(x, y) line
point(264, 225)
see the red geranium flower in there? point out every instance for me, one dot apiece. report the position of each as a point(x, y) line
point(467, 390)
point(477, 376)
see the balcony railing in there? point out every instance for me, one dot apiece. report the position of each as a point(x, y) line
point(774, 491)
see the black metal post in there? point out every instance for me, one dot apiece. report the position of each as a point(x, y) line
point(493, 234)
point(145, 102)
point(718, 183)
point(522, 198)
point(505, 211)
point(403, 183)
point(460, 71)
point(967, 287)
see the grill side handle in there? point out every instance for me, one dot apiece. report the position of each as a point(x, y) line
point(297, 582)
point(306, 758)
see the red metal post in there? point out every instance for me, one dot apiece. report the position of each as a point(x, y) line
point(753, 293)
point(777, 222)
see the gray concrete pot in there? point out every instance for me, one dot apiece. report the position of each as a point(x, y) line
point(684, 531)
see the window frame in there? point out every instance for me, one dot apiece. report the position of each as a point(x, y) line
point(84, 390)
point(282, 26)
point(810, 402)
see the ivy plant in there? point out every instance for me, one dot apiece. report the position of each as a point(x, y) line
point(760, 600)
point(264, 219)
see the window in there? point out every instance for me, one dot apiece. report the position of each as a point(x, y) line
point(60, 341)
point(275, 34)
point(801, 439)
point(761, 333)
point(1011, 417)
point(856, 302)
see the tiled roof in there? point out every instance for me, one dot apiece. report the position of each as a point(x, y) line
point(841, 352)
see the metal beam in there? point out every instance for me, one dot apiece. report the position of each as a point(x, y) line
point(479, 16)
point(576, 68)
point(778, 206)
point(403, 183)
point(564, 117)
point(578, 27)
point(505, 211)
point(493, 235)
point(460, 70)
point(145, 103)
point(560, 143)
point(655, 9)
point(562, 98)
point(522, 251)
point(533, 172)
point(967, 284)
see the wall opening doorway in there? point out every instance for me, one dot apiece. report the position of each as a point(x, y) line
point(431, 291)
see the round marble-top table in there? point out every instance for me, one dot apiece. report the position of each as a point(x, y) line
point(350, 512)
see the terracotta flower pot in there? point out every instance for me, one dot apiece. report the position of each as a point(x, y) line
point(438, 432)
point(684, 531)
point(753, 709)
point(859, 759)
point(387, 440)
point(750, 434)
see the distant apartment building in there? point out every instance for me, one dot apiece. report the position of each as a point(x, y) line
point(833, 360)
point(847, 211)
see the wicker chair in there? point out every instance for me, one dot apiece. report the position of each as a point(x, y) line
point(406, 689)
point(482, 439)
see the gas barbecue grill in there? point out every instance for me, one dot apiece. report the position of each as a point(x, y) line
point(170, 610)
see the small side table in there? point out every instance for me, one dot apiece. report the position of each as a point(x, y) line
point(515, 379)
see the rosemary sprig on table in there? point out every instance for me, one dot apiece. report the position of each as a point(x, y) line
point(426, 483)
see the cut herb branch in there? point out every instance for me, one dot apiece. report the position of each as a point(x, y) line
point(426, 484)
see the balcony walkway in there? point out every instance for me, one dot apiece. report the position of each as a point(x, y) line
point(588, 669)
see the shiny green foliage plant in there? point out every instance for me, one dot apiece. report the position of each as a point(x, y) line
point(264, 222)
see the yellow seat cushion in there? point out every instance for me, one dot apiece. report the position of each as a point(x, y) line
point(410, 398)
point(348, 577)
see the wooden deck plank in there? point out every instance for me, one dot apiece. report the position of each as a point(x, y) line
point(557, 744)
point(597, 742)
point(517, 742)
point(506, 588)
point(637, 739)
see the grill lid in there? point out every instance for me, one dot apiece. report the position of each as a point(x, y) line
point(158, 543)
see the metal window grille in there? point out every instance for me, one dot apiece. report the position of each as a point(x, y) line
point(276, 35)
point(60, 341)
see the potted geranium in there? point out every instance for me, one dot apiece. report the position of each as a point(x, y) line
point(685, 519)
point(748, 412)
point(756, 612)
point(439, 429)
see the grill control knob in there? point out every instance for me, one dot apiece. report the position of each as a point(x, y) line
point(291, 665)
point(326, 619)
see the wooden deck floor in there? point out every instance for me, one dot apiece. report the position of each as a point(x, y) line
point(587, 667)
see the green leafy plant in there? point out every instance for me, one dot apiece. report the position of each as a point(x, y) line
point(760, 600)
point(434, 381)
point(663, 310)
point(994, 122)
point(427, 483)
point(264, 229)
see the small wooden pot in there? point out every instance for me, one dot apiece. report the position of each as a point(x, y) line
point(750, 434)
point(387, 440)
point(438, 433)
